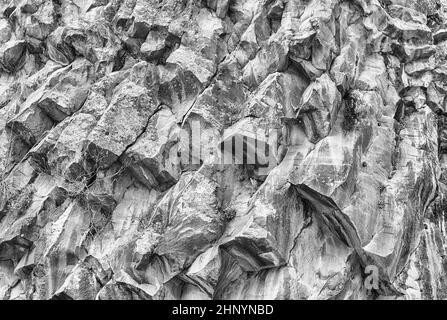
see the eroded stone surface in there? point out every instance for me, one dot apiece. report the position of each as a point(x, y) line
point(223, 149)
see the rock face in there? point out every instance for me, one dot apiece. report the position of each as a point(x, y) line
point(223, 149)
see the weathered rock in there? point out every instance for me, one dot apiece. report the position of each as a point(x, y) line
point(69, 94)
point(123, 121)
point(265, 235)
point(178, 88)
point(204, 272)
point(202, 69)
point(440, 35)
point(319, 107)
point(12, 55)
point(223, 149)
point(270, 59)
point(277, 97)
point(153, 157)
point(220, 6)
point(66, 157)
point(115, 290)
point(31, 124)
point(5, 30)
point(406, 31)
point(83, 283)
point(58, 49)
point(189, 226)
point(158, 45)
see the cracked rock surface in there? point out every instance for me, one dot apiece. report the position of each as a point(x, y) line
point(108, 191)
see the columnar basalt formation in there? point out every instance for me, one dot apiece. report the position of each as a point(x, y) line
point(223, 149)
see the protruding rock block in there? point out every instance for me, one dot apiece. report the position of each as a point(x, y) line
point(271, 58)
point(177, 87)
point(328, 167)
point(202, 68)
point(440, 35)
point(124, 120)
point(158, 45)
point(190, 222)
point(319, 107)
point(58, 49)
point(409, 52)
point(148, 14)
point(66, 157)
point(344, 68)
point(407, 31)
point(12, 55)
point(265, 235)
point(220, 6)
point(407, 14)
point(31, 124)
point(40, 24)
point(153, 157)
point(205, 270)
point(84, 282)
point(222, 103)
point(70, 92)
point(277, 97)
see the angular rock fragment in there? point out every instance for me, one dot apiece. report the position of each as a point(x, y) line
point(153, 157)
point(271, 58)
point(344, 67)
point(440, 35)
point(204, 272)
point(201, 68)
point(158, 46)
point(66, 156)
point(190, 225)
point(220, 6)
point(12, 55)
point(408, 30)
point(178, 88)
point(123, 121)
point(319, 107)
point(30, 124)
point(264, 236)
point(58, 49)
point(277, 97)
point(84, 281)
point(69, 94)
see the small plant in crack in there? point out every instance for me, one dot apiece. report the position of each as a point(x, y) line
point(350, 115)
point(149, 221)
point(381, 204)
point(158, 227)
point(229, 213)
